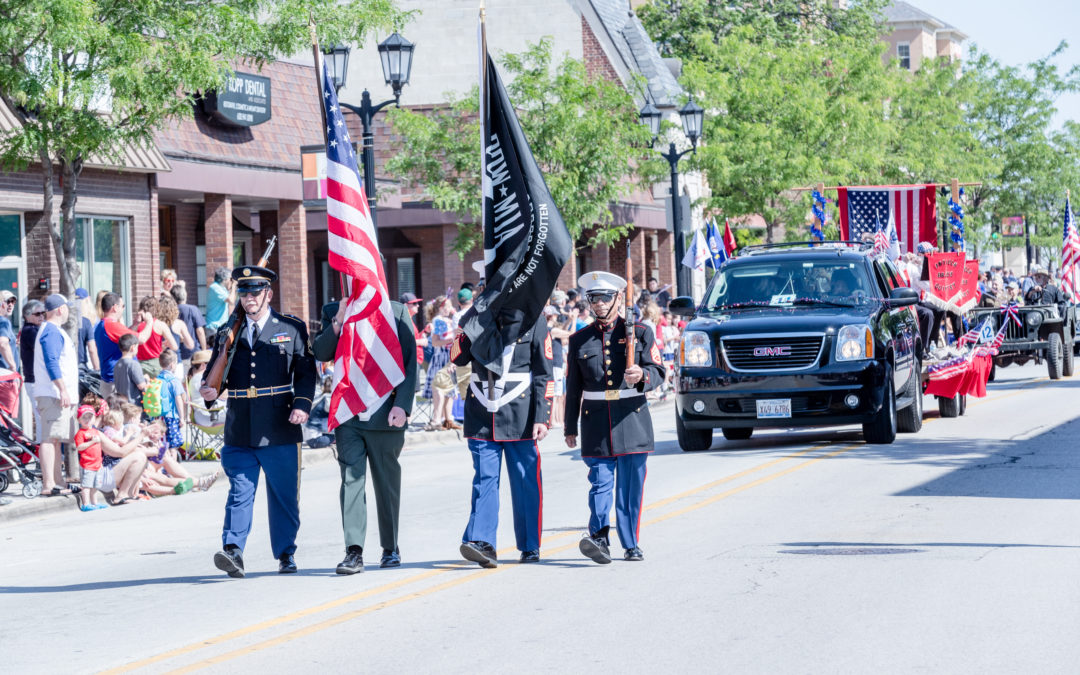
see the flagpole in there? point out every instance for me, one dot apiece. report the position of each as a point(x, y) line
point(316, 52)
point(483, 156)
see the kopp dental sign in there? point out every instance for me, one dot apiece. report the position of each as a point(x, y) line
point(243, 101)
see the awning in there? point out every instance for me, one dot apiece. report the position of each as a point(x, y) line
point(132, 156)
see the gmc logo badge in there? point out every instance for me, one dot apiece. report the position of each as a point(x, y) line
point(772, 351)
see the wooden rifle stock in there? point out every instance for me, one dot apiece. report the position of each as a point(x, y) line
point(630, 332)
point(227, 340)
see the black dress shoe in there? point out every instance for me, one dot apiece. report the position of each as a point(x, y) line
point(634, 554)
point(596, 549)
point(231, 562)
point(286, 564)
point(529, 556)
point(480, 552)
point(353, 562)
point(390, 559)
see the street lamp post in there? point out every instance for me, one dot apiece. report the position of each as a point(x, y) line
point(395, 53)
point(692, 117)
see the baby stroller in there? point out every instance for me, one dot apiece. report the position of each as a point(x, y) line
point(18, 453)
point(89, 382)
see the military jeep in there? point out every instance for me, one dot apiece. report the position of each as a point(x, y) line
point(1048, 334)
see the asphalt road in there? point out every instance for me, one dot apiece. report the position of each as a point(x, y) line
point(953, 550)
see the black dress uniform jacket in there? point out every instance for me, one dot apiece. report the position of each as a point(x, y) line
point(281, 356)
point(404, 394)
point(521, 400)
point(596, 362)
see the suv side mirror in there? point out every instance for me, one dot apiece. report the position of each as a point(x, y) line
point(903, 297)
point(682, 306)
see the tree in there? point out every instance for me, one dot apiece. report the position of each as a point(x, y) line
point(85, 77)
point(583, 131)
point(782, 116)
point(683, 28)
point(1009, 114)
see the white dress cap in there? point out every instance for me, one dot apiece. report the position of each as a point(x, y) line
point(601, 281)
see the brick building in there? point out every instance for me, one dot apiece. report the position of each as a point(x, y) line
point(115, 221)
point(216, 186)
point(232, 187)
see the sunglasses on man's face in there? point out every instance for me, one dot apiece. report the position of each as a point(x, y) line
point(600, 297)
point(37, 313)
point(251, 293)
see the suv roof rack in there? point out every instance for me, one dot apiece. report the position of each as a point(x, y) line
point(787, 245)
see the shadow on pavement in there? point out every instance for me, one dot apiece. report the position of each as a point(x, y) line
point(942, 544)
point(219, 577)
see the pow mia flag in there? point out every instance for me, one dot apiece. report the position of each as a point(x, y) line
point(526, 242)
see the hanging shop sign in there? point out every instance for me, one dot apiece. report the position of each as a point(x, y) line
point(243, 101)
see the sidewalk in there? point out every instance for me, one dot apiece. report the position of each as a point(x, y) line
point(21, 507)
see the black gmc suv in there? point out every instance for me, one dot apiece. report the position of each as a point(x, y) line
point(791, 335)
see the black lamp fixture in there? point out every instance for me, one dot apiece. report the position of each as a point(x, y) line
point(693, 116)
point(396, 54)
point(650, 117)
point(337, 62)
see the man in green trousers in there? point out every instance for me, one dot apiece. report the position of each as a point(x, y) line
point(377, 441)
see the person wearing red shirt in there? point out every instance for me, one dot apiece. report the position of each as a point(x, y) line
point(88, 446)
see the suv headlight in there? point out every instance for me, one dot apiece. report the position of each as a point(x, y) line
point(1034, 319)
point(854, 343)
point(696, 349)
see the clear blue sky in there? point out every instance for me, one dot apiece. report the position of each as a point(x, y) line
point(1016, 33)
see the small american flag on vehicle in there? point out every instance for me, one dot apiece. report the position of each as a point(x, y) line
point(1070, 254)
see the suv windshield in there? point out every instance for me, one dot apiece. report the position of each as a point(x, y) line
point(785, 283)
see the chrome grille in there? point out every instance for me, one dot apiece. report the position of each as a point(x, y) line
point(1014, 332)
point(768, 353)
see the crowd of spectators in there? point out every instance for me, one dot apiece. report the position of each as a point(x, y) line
point(445, 385)
point(123, 436)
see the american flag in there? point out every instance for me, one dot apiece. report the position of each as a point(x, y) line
point(1070, 254)
point(911, 208)
point(881, 239)
point(368, 364)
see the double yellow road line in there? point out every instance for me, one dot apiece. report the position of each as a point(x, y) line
point(321, 609)
point(467, 576)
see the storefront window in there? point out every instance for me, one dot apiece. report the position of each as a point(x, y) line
point(11, 261)
point(102, 253)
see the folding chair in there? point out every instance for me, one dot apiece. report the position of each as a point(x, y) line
point(205, 431)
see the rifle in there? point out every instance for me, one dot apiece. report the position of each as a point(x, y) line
point(630, 332)
point(227, 339)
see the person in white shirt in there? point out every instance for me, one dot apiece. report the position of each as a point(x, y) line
point(56, 390)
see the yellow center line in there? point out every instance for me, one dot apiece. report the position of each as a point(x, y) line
point(348, 616)
point(300, 614)
point(270, 623)
point(754, 483)
point(734, 476)
point(337, 620)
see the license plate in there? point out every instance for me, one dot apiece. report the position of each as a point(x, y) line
point(773, 407)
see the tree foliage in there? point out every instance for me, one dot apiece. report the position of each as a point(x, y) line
point(84, 77)
point(583, 131)
point(798, 92)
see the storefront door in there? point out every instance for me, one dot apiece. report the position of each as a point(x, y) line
point(12, 263)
